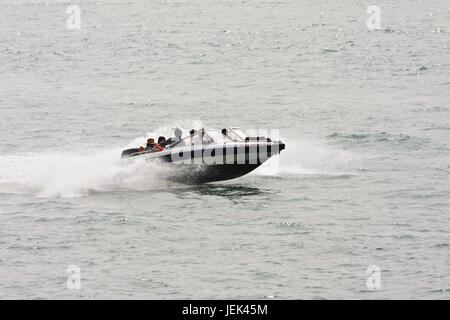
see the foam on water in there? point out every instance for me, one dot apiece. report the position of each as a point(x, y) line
point(309, 156)
point(69, 175)
point(72, 174)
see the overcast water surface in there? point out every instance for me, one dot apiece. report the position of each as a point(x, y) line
point(364, 180)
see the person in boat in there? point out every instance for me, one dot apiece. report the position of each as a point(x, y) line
point(225, 132)
point(150, 144)
point(192, 133)
point(205, 138)
point(153, 146)
point(161, 140)
point(171, 140)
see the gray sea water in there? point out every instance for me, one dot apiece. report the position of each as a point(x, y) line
point(364, 180)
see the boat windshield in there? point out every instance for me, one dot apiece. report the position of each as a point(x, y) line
point(218, 137)
point(203, 138)
point(237, 134)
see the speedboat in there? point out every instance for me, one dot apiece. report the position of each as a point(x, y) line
point(209, 155)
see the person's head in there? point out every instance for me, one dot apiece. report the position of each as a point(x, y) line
point(161, 140)
point(225, 132)
point(192, 132)
point(150, 141)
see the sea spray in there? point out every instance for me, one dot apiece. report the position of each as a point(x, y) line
point(79, 173)
point(71, 175)
point(308, 155)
